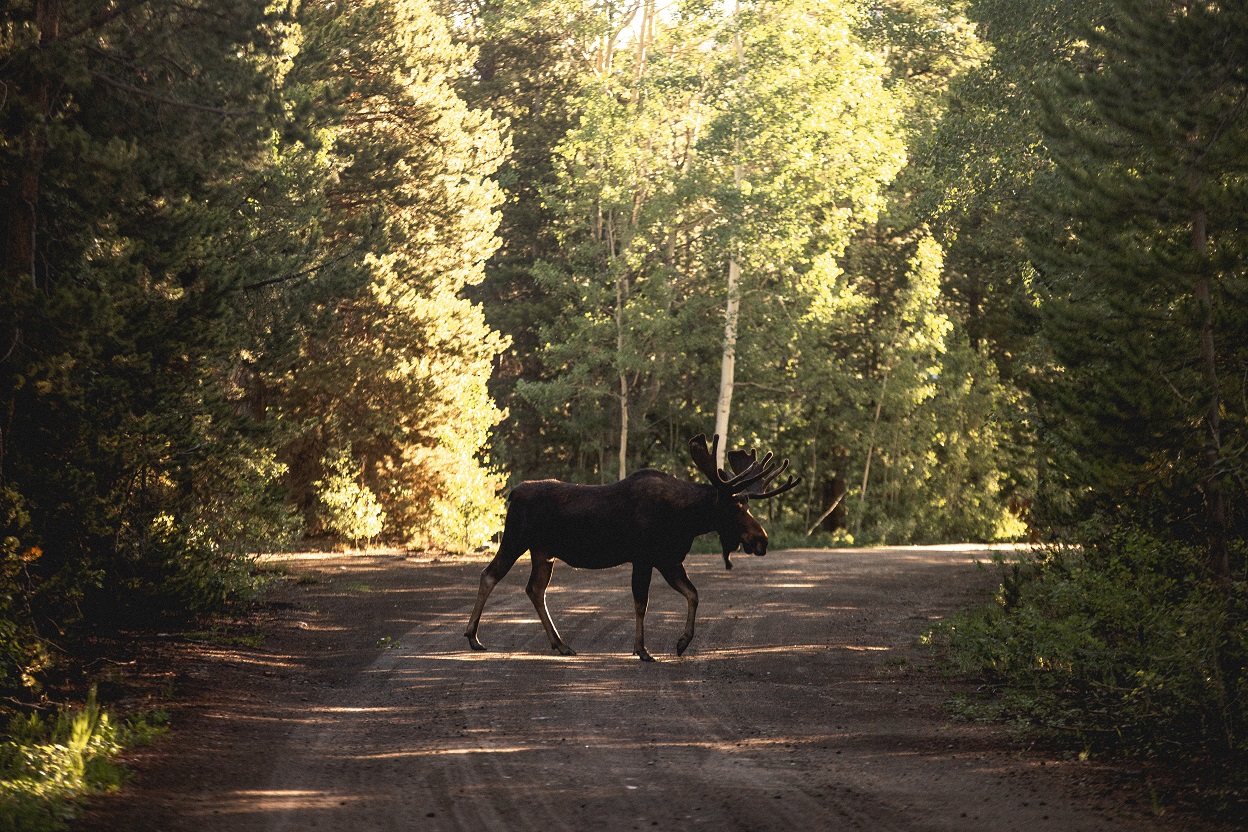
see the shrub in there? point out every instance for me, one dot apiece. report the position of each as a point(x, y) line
point(469, 510)
point(22, 652)
point(46, 765)
point(1125, 642)
point(348, 508)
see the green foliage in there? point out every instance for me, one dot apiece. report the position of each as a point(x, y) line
point(682, 153)
point(22, 652)
point(1138, 277)
point(977, 172)
point(218, 265)
point(1114, 297)
point(348, 508)
point(1124, 643)
point(470, 510)
point(118, 259)
point(393, 364)
point(49, 764)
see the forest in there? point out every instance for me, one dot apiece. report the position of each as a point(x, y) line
point(344, 271)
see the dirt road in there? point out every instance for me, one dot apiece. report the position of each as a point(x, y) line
point(803, 703)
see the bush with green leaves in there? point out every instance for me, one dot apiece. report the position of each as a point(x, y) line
point(22, 652)
point(470, 510)
point(1124, 642)
point(348, 508)
point(48, 764)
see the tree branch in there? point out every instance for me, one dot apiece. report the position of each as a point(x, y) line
point(301, 273)
point(101, 19)
point(175, 102)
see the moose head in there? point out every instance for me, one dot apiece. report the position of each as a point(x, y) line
point(751, 477)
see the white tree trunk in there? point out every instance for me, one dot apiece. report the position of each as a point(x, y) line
point(623, 426)
point(732, 311)
point(621, 297)
point(728, 364)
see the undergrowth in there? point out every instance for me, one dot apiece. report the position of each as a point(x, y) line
point(48, 764)
point(1121, 646)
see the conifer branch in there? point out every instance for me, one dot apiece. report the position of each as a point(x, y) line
point(301, 273)
point(101, 19)
point(175, 102)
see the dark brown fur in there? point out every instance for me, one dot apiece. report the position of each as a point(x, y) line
point(648, 519)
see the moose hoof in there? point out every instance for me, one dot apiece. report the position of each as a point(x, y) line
point(682, 646)
point(565, 650)
point(643, 655)
point(475, 643)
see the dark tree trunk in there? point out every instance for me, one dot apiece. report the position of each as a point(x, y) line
point(22, 209)
point(1215, 504)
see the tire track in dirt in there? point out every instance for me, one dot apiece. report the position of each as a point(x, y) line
point(802, 704)
point(782, 715)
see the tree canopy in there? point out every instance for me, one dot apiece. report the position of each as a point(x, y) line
point(346, 270)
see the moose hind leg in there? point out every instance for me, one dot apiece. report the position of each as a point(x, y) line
point(641, 597)
point(678, 579)
point(490, 576)
point(543, 568)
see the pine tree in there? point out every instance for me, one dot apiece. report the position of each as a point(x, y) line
point(128, 134)
point(390, 367)
point(1142, 282)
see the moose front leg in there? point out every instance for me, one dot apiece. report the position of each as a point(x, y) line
point(490, 576)
point(678, 579)
point(543, 568)
point(641, 597)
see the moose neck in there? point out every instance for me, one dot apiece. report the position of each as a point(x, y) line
point(704, 510)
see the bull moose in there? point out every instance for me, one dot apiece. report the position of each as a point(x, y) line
point(648, 519)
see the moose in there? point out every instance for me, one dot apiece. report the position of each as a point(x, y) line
point(648, 519)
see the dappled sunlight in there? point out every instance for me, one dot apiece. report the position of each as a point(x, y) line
point(781, 646)
point(419, 753)
point(244, 658)
point(727, 746)
point(349, 710)
point(287, 800)
point(936, 555)
point(756, 650)
point(582, 660)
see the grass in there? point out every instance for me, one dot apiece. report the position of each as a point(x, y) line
point(49, 764)
point(223, 638)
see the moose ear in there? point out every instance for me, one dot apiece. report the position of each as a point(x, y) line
point(704, 457)
point(740, 460)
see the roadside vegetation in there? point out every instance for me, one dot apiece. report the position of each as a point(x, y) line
point(1130, 633)
point(1120, 646)
point(343, 272)
point(49, 764)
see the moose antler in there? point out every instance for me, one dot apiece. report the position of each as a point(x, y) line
point(756, 472)
point(704, 457)
point(751, 475)
point(741, 461)
point(791, 482)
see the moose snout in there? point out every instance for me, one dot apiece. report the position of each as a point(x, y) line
point(756, 545)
